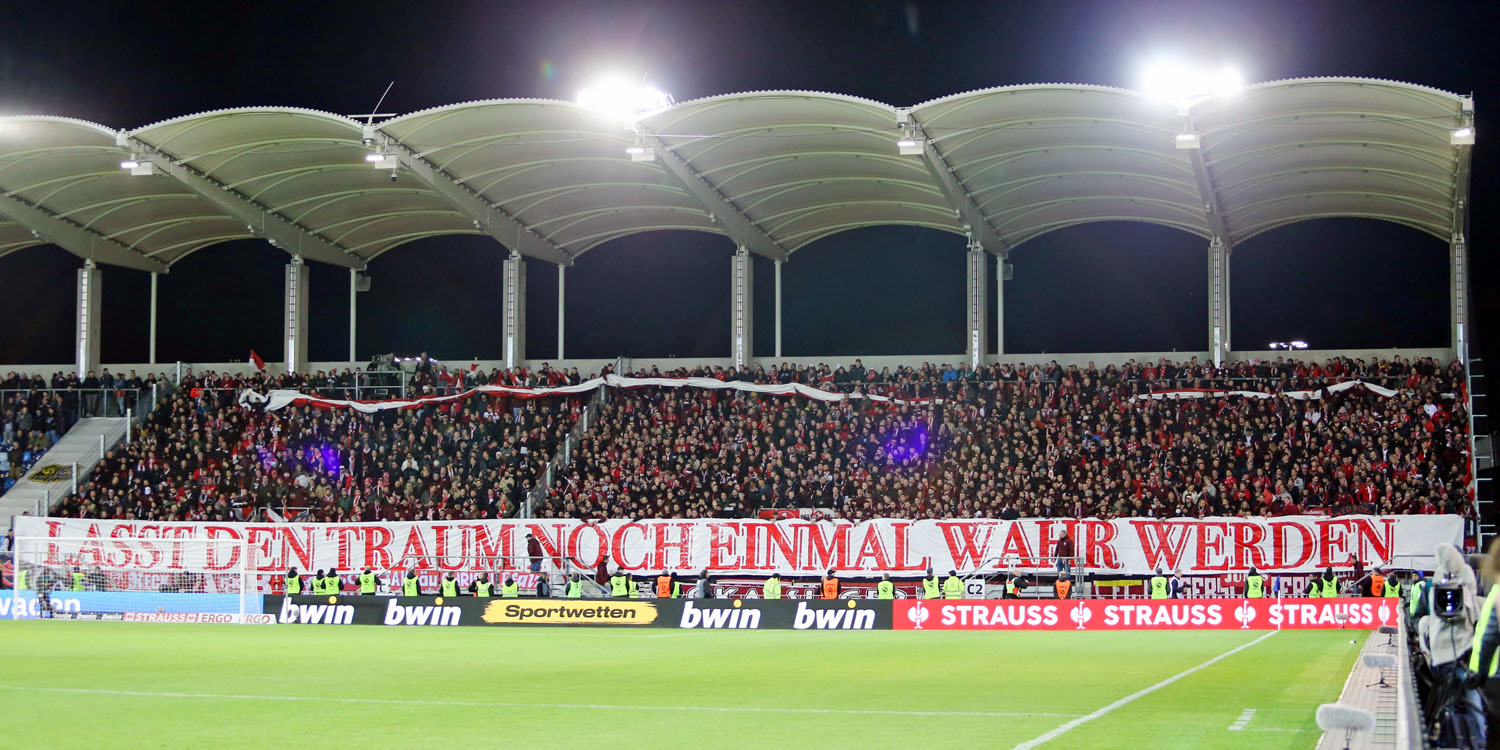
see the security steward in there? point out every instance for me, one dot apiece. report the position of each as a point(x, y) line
point(883, 590)
point(575, 587)
point(1330, 584)
point(667, 586)
point(367, 583)
point(772, 588)
point(332, 581)
point(1377, 582)
point(1484, 654)
point(482, 587)
point(22, 580)
point(318, 586)
point(930, 587)
point(510, 589)
point(831, 586)
point(953, 587)
point(291, 583)
point(1255, 584)
point(448, 586)
point(1062, 587)
point(1392, 588)
point(634, 585)
point(1416, 597)
point(77, 580)
point(619, 587)
point(410, 586)
point(1159, 585)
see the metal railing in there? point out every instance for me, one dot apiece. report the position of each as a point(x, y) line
point(83, 403)
point(564, 454)
point(147, 400)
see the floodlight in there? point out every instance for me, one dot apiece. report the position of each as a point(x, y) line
point(641, 153)
point(1299, 344)
point(129, 164)
point(909, 147)
point(1188, 141)
point(1182, 84)
point(374, 158)
point(1463, 136)
point(137, 167)
point(624, 100)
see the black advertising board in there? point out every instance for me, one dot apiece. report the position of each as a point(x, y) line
point(693, 614)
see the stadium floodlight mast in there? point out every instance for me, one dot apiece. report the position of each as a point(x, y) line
point(1288, 345)
point(616, 96)
point(1184, 84)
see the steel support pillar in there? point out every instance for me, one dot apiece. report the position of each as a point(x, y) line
point(778, 308)
point(1458, 297)
point(561, 308)
point(1000, 279)
point(513, 310)
point(977, 312)
point(1218, 301)
point(741, 307)
point(353, 311)
point(151, 334)
point(86, 333)
point(294, 316)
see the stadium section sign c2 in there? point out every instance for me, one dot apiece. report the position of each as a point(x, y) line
point(1147, 614)
point(1131, 546)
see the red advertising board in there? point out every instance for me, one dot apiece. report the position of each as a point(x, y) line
point(1145, 614)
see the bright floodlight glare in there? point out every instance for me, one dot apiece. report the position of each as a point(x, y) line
point(374, 158)
point(622, 99)
point(1463, 136)
point(1175, 82)
point(635, 150)
point(1298, 344)
point(129, 164)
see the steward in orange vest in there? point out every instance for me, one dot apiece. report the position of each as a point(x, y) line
point(830, 586)
point(1377, 584)
point(666, 586)
point(1063, 587)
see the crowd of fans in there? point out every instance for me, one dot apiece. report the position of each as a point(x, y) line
point(1040, 441)
point(35, 412)
point(203, 456)
point(1002, 441)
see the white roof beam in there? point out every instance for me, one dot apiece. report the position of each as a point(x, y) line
point(78, 240)
point(976, 224)
point(488, 218)
point(1208, 193)
point(742, 229)
point(281, 232)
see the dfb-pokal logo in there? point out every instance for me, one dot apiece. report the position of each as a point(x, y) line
point(1081, 614)
point(918, 614)
point(1245, 614)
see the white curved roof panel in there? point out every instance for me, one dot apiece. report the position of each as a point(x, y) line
point(791, 166)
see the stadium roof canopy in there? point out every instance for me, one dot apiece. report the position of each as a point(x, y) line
point(772, 171)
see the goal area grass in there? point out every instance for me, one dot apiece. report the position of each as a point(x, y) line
point(107, 684)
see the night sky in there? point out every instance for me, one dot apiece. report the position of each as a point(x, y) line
point(890, 290)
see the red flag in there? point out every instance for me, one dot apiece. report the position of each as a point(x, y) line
point(255, 359)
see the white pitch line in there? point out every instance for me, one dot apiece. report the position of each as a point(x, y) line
point(508, 704)
point(1029, 744)
point(1245, 717)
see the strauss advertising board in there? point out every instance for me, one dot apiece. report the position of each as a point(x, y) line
point(1292, 544)
point(1146, 614)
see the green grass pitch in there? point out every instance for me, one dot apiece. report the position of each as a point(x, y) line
point(116, 685)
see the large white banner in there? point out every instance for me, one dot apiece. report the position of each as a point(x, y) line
point(790, 547)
